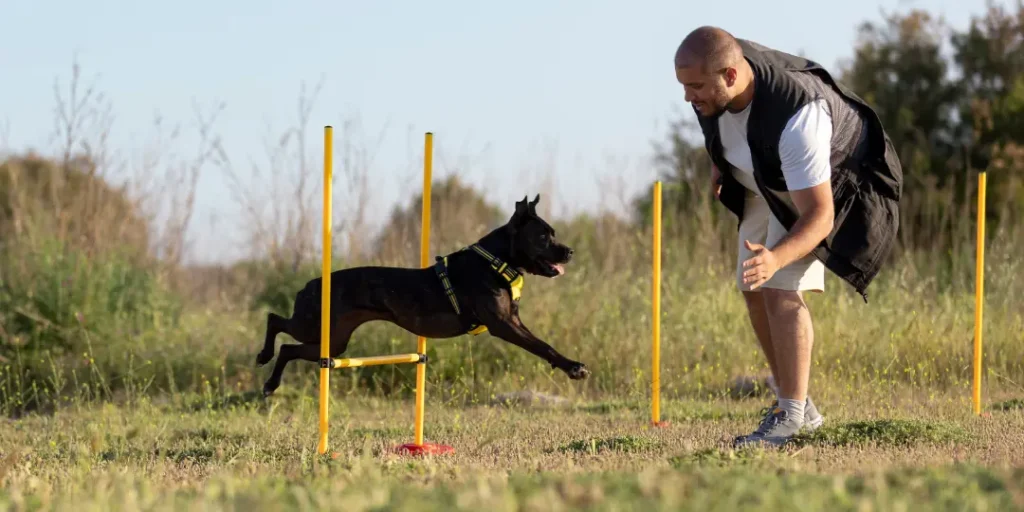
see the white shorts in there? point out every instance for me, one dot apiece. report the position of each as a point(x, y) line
point(760, 226)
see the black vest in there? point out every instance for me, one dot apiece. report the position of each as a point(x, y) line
point(867, 177)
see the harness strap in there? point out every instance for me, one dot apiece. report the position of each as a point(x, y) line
point(511, 276)
point(441, 268)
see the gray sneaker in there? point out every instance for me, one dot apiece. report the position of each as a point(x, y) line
point(776, 430)
point(766, 415)
point(812, 418)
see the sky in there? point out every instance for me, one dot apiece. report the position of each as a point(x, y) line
point(568, 95)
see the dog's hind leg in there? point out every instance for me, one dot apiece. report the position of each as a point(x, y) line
point(288, 352)
point(276, 324)
point(340, 336)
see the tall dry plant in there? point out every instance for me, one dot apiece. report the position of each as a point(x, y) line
point(71, 196)
point(91, 197)
point(281, 199)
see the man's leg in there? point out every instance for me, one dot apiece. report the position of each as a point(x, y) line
point(788, 342)
point(793, 336)
point(754, 227)
point(762, 329)
point(759, 320)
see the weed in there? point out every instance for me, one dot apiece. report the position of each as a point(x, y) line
point(893, 432)
point(621, 444)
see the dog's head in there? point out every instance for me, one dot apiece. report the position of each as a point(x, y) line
point(534, 248)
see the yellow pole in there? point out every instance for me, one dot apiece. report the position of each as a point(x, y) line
point(325, 294)
point(656, 313)
point(352, 362)
point(421, 342)
point(979, 290)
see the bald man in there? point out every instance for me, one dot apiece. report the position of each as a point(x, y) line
point(812, 177)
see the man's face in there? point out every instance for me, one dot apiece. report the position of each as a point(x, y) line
point(709, 93)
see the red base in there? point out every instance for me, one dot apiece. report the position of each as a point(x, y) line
point(659, 423)
point(424, 449)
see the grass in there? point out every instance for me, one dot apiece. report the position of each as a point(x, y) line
point(600, 319)
point(127, 379)
point(172, 455)
point(618, 443)
point(158, 408)
point(892, 432)
point(1015, 404)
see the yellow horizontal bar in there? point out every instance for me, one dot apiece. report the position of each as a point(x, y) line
point(374, 360)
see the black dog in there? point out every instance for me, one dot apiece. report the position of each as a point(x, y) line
point(469, 290)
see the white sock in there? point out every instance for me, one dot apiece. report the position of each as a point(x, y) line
point(810, 411)
point(794, 408)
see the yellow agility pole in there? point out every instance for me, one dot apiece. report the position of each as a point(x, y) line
point(325, 294)
point(417, 447)
point(979, 290)
point(352, 362)
point(656, 313)
point(421, 341)
point(326, 362)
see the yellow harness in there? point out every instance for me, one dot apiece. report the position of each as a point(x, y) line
point(511, 276)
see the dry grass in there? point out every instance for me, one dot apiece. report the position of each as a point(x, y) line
point(200, 453)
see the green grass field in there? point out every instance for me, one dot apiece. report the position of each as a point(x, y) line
point(129, 384)
point(165, 415)
point(237, 452)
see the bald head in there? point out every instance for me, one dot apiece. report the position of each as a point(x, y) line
point(710, 48)
point(710, 65)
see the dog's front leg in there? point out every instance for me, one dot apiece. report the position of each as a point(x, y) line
point(517, 334)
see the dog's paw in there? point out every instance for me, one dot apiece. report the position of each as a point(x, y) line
point(578, 371)
point(264, 357)
point(269, 388)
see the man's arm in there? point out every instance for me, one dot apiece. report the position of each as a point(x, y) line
point(805, 150)
point(813, 225)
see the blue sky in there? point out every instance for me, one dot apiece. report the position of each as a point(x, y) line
point(573, 92)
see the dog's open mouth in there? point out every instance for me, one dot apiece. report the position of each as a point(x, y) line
point(557, 268)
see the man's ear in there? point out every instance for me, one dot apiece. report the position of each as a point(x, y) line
point(730, 76)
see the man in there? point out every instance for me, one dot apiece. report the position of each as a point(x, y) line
point(812, 176)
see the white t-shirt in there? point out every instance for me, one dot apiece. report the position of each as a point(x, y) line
point(805, 146)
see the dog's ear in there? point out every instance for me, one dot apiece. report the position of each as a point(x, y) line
point(533, 204)
point(521, 212)
point(522, 208)
point(522, 205)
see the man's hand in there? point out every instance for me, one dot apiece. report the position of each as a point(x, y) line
point(761, 267)
point(716, 181)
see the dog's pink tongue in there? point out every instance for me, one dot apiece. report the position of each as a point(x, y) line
point(559, 268)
